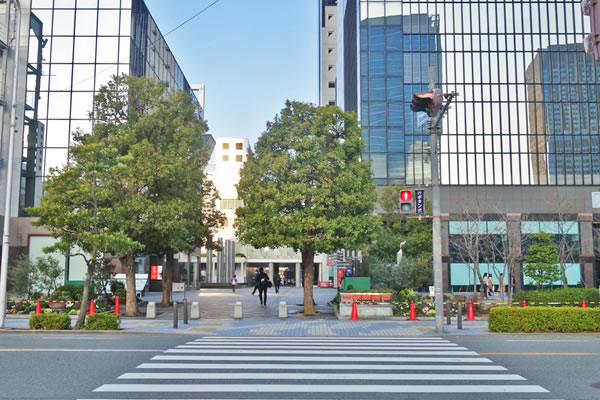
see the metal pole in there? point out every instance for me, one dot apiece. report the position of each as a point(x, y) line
point(9, 167)
point(437, 233)
point(448, 316)
point(175, 314)
point(185, 311)
point(459, 315)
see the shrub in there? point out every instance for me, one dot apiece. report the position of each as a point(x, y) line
point(544, 319)
point(122, 293)
point(74, 292)
point(102, 322)
point(115, 285)
point(50, 321)
point(569, 295)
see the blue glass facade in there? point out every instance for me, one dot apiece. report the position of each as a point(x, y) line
point(396, 55)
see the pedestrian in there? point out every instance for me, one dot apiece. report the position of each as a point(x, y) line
point(484, 286)
point(256, 281)
point(490, 285)
point(263, 284)
point(233, 283)
point(277, 283)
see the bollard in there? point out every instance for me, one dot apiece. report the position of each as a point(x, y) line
point(459, 316)
point(237, 310)
point(175, 314)
point(195, 313)
point(185, 312)
point(151, 310)
point(448, 316)
point(283, 310)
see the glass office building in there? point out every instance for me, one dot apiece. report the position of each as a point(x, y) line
point(85, 43)
point(527, 110)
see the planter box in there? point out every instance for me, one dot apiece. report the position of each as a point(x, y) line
point(368, 305)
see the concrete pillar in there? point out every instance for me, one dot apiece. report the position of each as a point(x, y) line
point(283, 310)
point(237, 311)
point(195, 311)
point(197, 273)
point(513, 231)
point(151, 310)
point(209, 266)
point(298, 282)
point(587, 257)
point(271, 271)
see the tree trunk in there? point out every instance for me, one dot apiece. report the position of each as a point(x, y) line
point(308, 260)
point(85, 297)
point(563, 275)
point(131, 308)
point(167, 281)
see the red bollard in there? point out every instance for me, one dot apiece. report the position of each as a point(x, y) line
point(524, 304)
point(92, 308)
point(583, 305)
point(470, 313)
point(412, 315)
point(354, 316)
point(38, 307)
point(117, 306)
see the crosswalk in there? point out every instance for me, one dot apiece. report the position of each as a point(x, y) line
point(319, 368)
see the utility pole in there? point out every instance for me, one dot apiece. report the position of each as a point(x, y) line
point(16, 44)
point(434, 129)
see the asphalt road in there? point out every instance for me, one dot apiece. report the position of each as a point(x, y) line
point(72, 366)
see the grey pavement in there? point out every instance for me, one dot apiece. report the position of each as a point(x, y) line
point(216, 317)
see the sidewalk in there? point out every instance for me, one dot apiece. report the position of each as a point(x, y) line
point(216, 317)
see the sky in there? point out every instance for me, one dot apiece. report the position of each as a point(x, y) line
point(251, 55)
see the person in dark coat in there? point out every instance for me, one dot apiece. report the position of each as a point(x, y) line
point(277, 280)
point(255, 284)
point(262, 280)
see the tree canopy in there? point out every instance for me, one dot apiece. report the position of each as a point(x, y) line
point(307, 187)
point(541, 262)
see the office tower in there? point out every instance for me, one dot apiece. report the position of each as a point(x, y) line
point(328, 51)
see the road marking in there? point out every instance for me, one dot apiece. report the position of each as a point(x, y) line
point(307, 376)
point(367, 352)
point(540, 354)
point(352, 348)
point(89, 350)
point(360, 366)
point(547, 340)
point(253, 359)
point(322, 388)
point(318, 338)
point(323, 346)
point(82, 337)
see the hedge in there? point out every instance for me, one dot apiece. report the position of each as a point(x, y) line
point(102, 322)
point(50, 321)
point(544, 319)
point(569, 295)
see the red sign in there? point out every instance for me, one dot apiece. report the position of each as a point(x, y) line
point(156, 272)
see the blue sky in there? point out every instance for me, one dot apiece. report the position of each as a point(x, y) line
point(251, 55)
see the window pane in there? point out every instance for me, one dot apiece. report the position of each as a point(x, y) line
point(59, 105)
point(60, 76)
point(62, 49)
point(83, 77)
point(108, 22)
point(85, 49)
point(57, 133)
point(82, 104)
point(108, 49)
point(63, 22)
point(86, 22)
point(54, 158)
point(379, 165)
point(125, 23)
point(377, 114)
point(378, 140)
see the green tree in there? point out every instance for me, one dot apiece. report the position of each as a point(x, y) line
point(307, 187)
point(50, 272)
point(161, 194)
point(541, 261)
point(22, 277)
point(415, 233)
point(76, 208)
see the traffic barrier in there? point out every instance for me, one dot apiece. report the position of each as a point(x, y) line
point(151, 310)
point(92, 308)
point(412, 315)
point(195, 311)
point(354, 316)
point(470, 313)
point(583, 305)
point(117, 306)
point(237, 311)
point(38, 307)
point(283, 310)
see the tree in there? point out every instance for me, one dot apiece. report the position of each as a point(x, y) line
point(76, 208)
point(307, 187)
point(50, 272)
point(161, 194)
point(22, 277)
point(542, 259)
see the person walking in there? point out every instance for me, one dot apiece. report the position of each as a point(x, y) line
point(484, 286)
point(255, 284)
point(263, 284)
point(490, 285)
point(277, 280)
point(233, 283)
